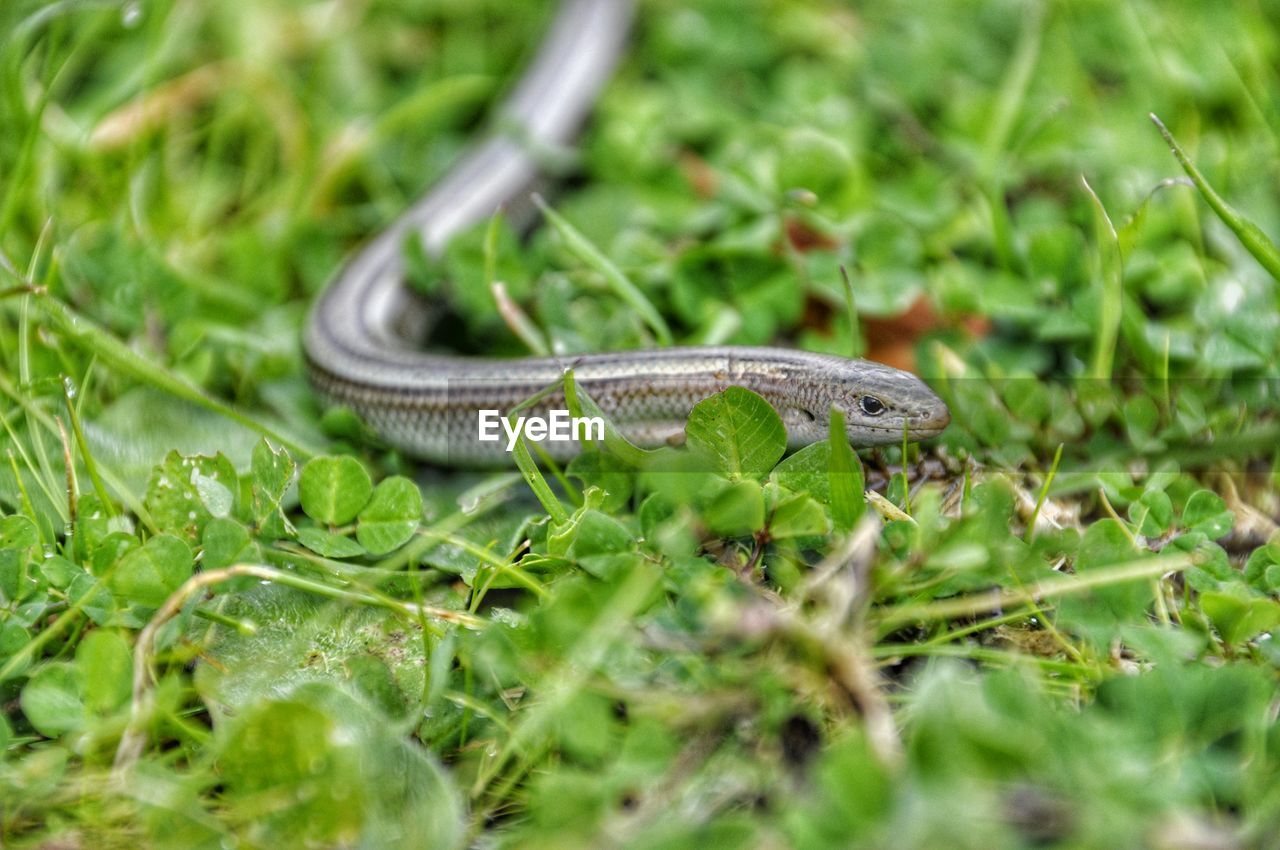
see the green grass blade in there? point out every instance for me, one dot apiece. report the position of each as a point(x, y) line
point(95, 340)
point(1250, 235)
point(582, 404)
point(1111, 305)
point(970, 605)
point(536, 480)
point(90, 463)
point(584, 250)
point(844, 470)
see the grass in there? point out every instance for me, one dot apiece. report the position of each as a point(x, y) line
point(228, 618)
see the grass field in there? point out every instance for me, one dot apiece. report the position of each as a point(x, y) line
point(229, 618)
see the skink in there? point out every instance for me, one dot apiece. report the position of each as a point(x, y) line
point(359, 337)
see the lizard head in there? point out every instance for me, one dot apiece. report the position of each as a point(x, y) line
point(879, 403)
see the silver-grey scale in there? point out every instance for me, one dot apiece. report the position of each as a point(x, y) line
point(357, 338)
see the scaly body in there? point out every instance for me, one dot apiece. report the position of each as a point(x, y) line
point(359, 338)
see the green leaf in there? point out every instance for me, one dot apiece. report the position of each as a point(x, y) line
point(737, 510)
point(1207, 513)
point(1102, 612)
point(591, 533)
point(1105, 542)
point(596, 469)
point(111, 549)
point(334, 489)
point(14, 579)
point(1239, 618)
point(1213, 569)
point(299, 637)
point(852, 789)
point(105, 661)
point(93, 598)
point(148, 575)
point(51, 700)
point(1262, 568)
point(798, 516)
point(93, 523)
point(58, 571)
point(813, 160)
point(18, 532)
point(961, 557)
point(350, 777)
point(1141, 419)
point(391, 517)
point(329, 545)
point(271, 471)
point(806, 472)
point(12, 638)
point(588, 728)
point(182, 489)
point(738, 431)
point(214, 495)
point(1152, 513)
point(302, 752)
point(225, 542)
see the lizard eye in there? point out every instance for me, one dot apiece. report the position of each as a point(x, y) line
point(871, 405)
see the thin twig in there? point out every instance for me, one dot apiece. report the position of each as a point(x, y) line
point(134, 739)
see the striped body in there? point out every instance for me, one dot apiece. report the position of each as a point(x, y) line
point(357, 338)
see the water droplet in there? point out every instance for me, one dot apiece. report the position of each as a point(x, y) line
point(131, 14)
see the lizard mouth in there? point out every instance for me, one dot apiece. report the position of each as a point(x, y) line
point(932, 424)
